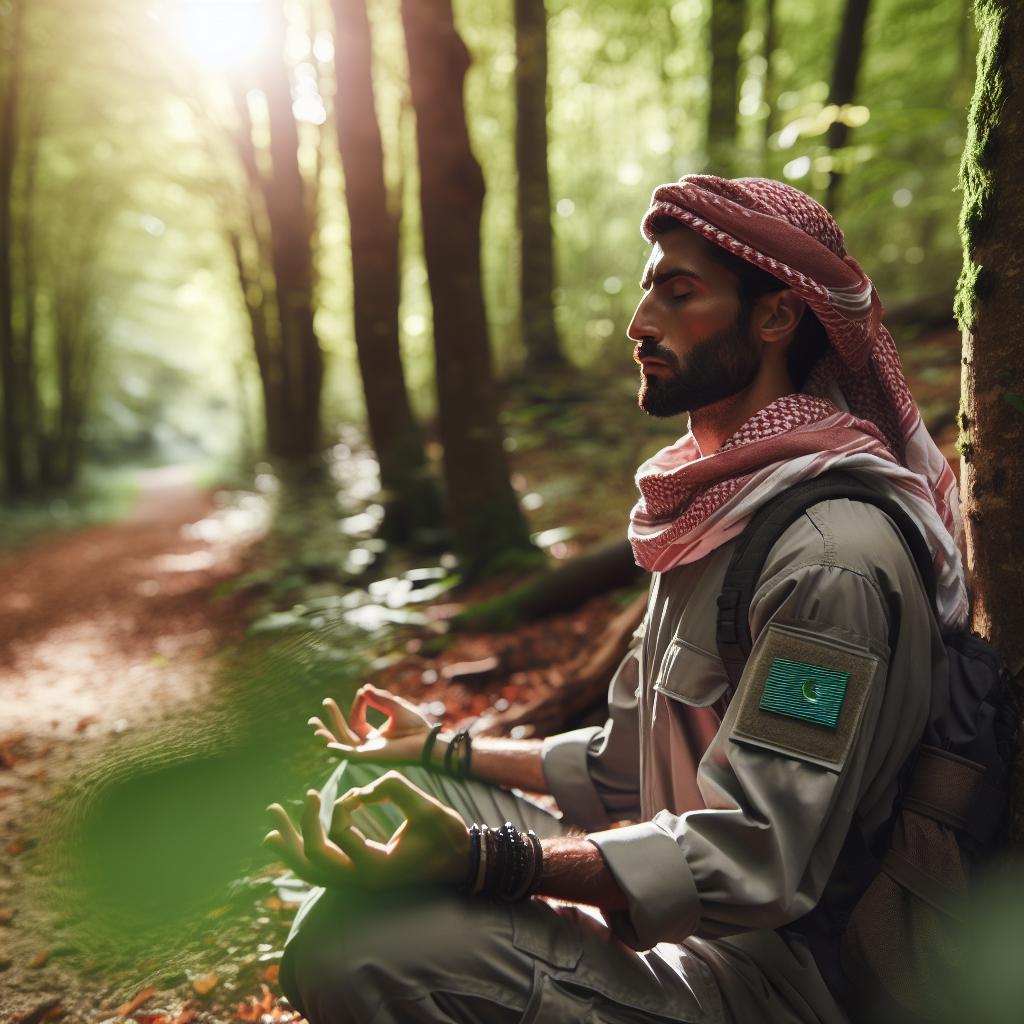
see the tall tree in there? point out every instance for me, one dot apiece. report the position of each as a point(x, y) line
point(728, 18)
point(533, 190)
point(990, 297)
point(768, 97)
point(291, 253)
point(849, 55)
point(483, 513)
point(412, 501)
point(11, 38)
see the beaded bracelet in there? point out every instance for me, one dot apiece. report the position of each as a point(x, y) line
point(504, 863)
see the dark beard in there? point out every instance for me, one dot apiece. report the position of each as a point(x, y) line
point(717, 367)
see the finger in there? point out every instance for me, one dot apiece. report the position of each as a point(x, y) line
point(296, 863)
point(284, 825)
point(357, 714)
point(350, 839)
point(319, 850)
point(322, 730)
point(385, 702)
point(396, 788)
point(341, 728)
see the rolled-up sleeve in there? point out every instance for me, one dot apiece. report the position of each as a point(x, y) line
point(593, 772)
point(782, 777)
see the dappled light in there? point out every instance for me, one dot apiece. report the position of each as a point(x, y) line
point(322, 368)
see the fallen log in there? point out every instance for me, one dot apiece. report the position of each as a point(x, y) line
point(562, 589)
point(582, 684)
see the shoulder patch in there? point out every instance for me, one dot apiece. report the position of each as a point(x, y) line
point(804, 693)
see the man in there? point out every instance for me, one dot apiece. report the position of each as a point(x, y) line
point(710, 904)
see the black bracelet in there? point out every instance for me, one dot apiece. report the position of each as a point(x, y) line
point(428, 745)
point(469, 882)
point(451, 760)
point(467, 758)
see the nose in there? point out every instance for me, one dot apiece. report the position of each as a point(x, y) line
point(642, 325)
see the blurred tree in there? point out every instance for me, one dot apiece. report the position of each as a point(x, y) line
point(411, 500)
point(291, 241)
point(849, 55)
point(728, 19)
point(768, 90)
point(483, 512)
point(536, 257)
point(12, 20)
point(989, 300)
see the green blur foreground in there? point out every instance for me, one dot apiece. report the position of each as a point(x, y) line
point(361, 270)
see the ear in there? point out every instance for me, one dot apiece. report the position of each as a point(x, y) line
point(777, 314)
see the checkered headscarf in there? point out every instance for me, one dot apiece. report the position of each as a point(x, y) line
point(856, 407)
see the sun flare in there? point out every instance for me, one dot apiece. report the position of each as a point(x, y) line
point(222, 33)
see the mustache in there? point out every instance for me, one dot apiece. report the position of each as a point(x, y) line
point(648, 348)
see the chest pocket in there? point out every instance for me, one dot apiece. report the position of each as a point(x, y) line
point(691, 675)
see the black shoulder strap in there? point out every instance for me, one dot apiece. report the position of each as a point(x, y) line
point(765, 528)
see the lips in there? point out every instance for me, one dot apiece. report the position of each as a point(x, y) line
point(642, 359)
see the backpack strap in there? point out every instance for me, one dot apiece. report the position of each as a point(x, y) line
point(765, 528)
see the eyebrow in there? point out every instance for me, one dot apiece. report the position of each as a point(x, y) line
point(667, 275)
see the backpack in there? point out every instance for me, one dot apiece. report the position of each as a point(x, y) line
point(887, 934)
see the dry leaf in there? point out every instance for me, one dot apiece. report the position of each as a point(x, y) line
point(132, 1005)
point(206, 984)
point(41, 1013)
point(6, 916)
point(185, 1015)
point(270, 975)
point(39, 959)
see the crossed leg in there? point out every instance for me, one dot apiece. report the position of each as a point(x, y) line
point(414, 956)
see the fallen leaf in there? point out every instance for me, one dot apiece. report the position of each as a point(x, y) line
point(127, 1009)
point(6, 916)
point(39, 959)
point(273, 903)
point(206, 984)
point(185, 1015)
point(54, 1013)
point(84, 722)
point(270, 975)
point(17, 846)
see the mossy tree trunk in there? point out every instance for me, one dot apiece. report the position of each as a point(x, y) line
point(536, 251)
point(990, 298)
point(412, 503)
point(486, 523)
point(849, 55)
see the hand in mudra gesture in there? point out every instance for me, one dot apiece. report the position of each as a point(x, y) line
point(400, 738)
point(430, 846)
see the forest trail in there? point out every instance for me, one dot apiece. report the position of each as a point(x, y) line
point(102, 632)
point(103, 628)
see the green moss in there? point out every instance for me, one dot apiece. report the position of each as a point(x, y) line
point(979, 151)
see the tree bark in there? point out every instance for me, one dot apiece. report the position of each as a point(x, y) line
point(536, 246)
point(989, 300)
point(849, 56)
point(291, 228)
point(13, 454)
point(412, 503)
point(728, 18)
point(483, 513)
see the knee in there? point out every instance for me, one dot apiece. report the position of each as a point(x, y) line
point(344, 963)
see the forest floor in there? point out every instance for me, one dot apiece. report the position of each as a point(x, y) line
point(115, 637)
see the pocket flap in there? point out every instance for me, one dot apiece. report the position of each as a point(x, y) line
point(691, 675)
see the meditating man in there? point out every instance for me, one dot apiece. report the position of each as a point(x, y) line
point(711, 899)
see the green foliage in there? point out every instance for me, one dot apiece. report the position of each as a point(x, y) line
point(975, 173)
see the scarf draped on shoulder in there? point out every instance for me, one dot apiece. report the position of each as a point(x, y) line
point(855, 410)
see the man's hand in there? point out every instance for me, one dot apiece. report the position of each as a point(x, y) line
point(400, 738)
point(431, 845)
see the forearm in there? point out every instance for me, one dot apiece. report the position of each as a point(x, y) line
point(502, 761)
point(574, 870)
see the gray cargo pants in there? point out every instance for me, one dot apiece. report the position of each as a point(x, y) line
point(409, 956)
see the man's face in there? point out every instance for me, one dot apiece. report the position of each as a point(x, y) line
point(693, 339)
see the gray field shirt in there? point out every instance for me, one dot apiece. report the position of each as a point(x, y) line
point(739, 806)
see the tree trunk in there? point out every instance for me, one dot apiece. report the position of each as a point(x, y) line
point(768, 83)
point(412, 502)
point(728, 18)
point(291, 228)
point(483, 513)
point(536, 253)
point(990, 297)
point(849, 55)
point(13, 455)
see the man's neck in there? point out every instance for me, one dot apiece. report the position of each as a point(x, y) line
point(713, 425)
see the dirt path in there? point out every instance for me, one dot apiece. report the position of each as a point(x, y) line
point(100, 632)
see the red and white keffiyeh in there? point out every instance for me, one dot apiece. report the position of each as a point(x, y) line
point(856, 409)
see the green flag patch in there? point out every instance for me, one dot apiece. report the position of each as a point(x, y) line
point(802, 690)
